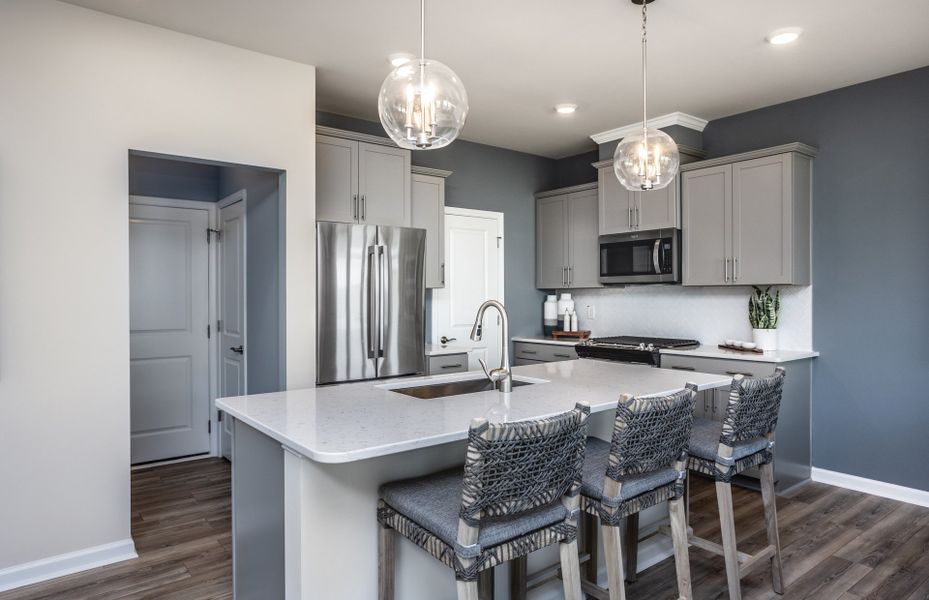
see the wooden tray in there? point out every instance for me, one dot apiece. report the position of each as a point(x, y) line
point(571, 335)
point(737, 349)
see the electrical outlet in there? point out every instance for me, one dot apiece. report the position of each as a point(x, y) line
point(591, 312)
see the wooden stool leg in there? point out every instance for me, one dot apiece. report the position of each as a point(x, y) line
point(571, 570)
point(727, 525)
point(467, 590)
point(770, 518)
point(591, 544)
point(519, 573)
point(385, 563)
point(613, 552)
point(632, 547)
point(681, 555)
point(485, 584)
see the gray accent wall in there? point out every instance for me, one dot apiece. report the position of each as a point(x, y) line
point(489, 178)
point(870, 267)
point(177, 179)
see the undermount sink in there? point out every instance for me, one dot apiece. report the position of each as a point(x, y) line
point(453, 388)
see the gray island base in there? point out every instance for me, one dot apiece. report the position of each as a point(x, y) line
point(307, 465)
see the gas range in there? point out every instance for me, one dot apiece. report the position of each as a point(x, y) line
point(631, 349)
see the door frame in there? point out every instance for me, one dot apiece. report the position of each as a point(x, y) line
point(501, 245)
point(212, 209)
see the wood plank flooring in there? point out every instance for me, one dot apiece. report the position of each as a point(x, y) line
point(838, 545)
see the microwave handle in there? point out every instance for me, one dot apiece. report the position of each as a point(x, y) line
point(656, 256)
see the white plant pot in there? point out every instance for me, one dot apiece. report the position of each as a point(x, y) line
point(766, 339)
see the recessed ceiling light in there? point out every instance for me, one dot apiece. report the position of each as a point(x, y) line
point(399, 58)
point(788, 35)
point(565, 109)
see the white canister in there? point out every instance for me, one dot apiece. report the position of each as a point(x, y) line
point(549, 315)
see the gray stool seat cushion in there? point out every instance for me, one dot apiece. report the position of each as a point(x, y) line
point(434, 501)
point(704, 441)
point(595, 463)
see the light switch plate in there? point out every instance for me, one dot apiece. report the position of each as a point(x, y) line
point(591, 312)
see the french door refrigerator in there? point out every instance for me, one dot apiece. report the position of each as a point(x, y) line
point(369, 302)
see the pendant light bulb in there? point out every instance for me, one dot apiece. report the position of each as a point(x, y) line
point(423, 103)
point(649, 159)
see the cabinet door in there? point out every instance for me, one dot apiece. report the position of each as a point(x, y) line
point(336, 179)
point(428, 207)
point(657, 209)
point(583, 242)
point(761, 220)
point(707, 224)
point(384, 185)
point(551, 242)
point(616, 203)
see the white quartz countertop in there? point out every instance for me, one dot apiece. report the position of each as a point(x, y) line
point(773, 356)
point(443, 350)
point(545, 340)
point(356, 421)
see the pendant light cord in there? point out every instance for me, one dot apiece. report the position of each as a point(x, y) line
point(644, 72)
point(422, 32)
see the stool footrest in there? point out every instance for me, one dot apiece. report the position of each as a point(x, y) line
point(747, 562)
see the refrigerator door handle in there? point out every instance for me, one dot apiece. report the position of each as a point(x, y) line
point(383, 285)
point(373, 297)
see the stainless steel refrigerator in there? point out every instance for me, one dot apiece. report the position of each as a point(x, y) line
point(369, 302)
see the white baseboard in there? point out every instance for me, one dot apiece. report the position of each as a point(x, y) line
point(871, 486)
point(66, 564)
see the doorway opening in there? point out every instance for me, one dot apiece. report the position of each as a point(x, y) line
point(473, 273)
point(206, 279)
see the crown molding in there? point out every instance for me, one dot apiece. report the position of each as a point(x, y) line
point(567, 190)
point(798, 147)
point(675, 118)
point(417, 170)
point(355, 136)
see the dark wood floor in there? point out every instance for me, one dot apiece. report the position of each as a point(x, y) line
point(838, 545)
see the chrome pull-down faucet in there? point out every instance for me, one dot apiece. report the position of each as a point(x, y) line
point(501, 377)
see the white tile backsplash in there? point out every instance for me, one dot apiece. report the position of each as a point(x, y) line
point(708, 314)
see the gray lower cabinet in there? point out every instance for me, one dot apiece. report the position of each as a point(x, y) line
point(362, 182)
point(567, 249)
point(528, 353)
point(793, 458)
point(428, 206)
point(746, 218)
point(447, 363)
point(621, 210)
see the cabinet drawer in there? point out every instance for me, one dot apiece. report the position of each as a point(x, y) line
point(720, 366)
point(448, 363)
point(543, 352)
point(519, 362)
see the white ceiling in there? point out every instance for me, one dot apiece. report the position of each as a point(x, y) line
point(518, 58)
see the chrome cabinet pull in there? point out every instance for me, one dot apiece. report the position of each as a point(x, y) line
point(562, 355)
point(528, 352)
point(736, 271)
point(454, 366)
point(726, 270)
point(630, 217)
point(742, 373)
point(570, 275)
point(364, 205)
point(355, 206)
point(683, 368)
point(443, 273)
point(638, 221)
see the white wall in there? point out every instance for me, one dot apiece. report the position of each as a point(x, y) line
point(79, 90)
point(708, 314)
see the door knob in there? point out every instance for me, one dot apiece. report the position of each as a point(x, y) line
point(237, 349)
point(446, 340)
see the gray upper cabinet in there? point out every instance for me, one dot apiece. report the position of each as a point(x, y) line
point(747, 218)
point(429, 213)
point(336, 179)
point(622, 210)
point(567, 250)
point(362, 182)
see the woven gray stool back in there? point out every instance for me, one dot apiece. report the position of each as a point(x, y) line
point(511, 468)
point(751, 415)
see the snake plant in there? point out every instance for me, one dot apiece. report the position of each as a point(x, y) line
point(763, 308)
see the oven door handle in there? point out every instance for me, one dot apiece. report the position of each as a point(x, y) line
point(655, 256)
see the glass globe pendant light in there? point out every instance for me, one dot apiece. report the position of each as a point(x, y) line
point(422, 104)
point(647, 160)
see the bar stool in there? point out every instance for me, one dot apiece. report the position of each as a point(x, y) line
point(744, 439)
point(519, 492)
point(643, 465)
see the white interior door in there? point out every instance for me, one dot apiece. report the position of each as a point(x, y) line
point(473, 274)
point(232, 330)
point(169, 347)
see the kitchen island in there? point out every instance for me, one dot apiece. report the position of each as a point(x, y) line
point(307, 465)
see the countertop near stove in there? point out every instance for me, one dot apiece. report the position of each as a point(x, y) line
point(773, 356)
point(545, 340)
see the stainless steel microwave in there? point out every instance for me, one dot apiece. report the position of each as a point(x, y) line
point(641, 257)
